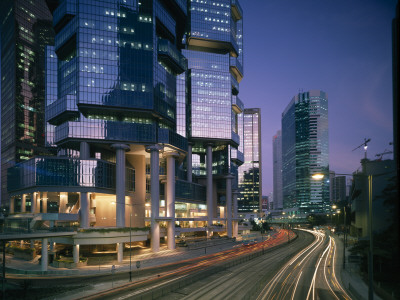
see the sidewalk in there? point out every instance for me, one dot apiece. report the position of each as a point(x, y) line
point(147, 259)
point(350, 277)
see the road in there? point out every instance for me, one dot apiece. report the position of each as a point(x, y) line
point(305, 269)
point(208, 263)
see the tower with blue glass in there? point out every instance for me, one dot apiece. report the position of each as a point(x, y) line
point(214, 49)
point(136, 101)
point(305, 151)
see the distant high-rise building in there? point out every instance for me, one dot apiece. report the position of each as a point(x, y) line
point(277, 169)
point(339, 186)
point(331, 176)
point(305, 151)
point(26, 29)
point(250, 184)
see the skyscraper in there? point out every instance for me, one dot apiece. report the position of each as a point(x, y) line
point(119, 115)
point(305, 151)
point(339, 187)
point(25, 31)
point(250, 182)
point(277, 169)
point(215, 68)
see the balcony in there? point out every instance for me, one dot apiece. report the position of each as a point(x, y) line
point(189, 191)
point(65, 173)
point(237, 156)
point(106, 130)
point(61, 110)
point(166, 136)
point(228, 46)
point(237, 105)
point(236, 68)
point(64, 13)
point(236, 10)
point(171, 56)
point(235, 85)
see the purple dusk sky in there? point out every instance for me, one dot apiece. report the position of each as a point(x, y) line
point(339, 46)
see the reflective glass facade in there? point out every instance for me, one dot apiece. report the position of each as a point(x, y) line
point(117, 63)
point(305, 151)
point(250, 185)
point(215, 57)
point(277, 170)
point(66, 172)
point(26, 30)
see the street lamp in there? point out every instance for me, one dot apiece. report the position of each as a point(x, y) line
point(130, 241)
point(319, 176)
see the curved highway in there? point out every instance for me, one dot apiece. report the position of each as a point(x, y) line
point(310, 274)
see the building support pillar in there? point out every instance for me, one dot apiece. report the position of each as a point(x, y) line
point(84, 210)
point(12, 205)
point(209, 197)
point(155, 196)
point(235, 223)
point(44, 202)
point(75, 253)
point(189, 163)
point(229, 205)
point(23, 203)
point(45, 257)
point(120, 252)
point(34, 203)
point(170, 199)
point(63, 202)
point(84, 150)
point(120, 183)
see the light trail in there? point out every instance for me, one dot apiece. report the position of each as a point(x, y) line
point(274, 282)
point(287, 279)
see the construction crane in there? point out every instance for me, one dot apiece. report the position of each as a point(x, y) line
point(365, 145)
point(380, 155)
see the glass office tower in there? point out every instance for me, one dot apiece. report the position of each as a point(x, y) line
point(277, 170)
point(119, 112)
point(214, 49)
point(25, 31)
point(305, 151)
point(250, 182)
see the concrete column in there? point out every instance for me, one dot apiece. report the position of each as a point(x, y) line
point(84, 150)
point(45, 258)
point(229, 205)
point(52, 245)
point(34, 203)
point(44, 202)
point(63, 203)
point(120, 183)
point(155, 196)
point(23, 203)
point(12, 205)
point(235, 194)
point(120, 252)
point(189, 163)
point(75, 253)
point(170, 199)
point(209, 197)
point(235, 223)
point(84, 210)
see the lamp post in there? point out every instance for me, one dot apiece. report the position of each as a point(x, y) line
point(130, 242)
point(130, 247)
point(370, 234)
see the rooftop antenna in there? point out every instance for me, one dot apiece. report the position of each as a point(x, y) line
point(365, 145)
